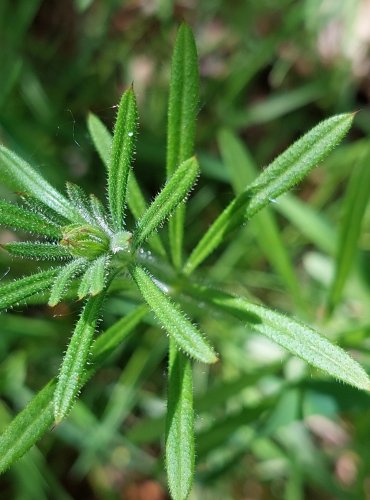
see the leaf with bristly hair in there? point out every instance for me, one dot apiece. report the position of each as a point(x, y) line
point(40, 251)
point(184, 333)
point(123, 146)
point(16, 217)
point(63, 279)
point(94, 279)
point(283, 173)
point(80, 201)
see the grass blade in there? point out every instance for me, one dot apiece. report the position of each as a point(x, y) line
point(173, 193)
point(41, 251)
point(19, 290)
point(20, 176)
point(123, 145)
point(38, 416)
point(182, 112)
point(184, 333)
point(179, 425)
point(356, 200)
point(283, 173)
point(17, 217)
point(243, 171)
point(74, 363)
point(297, 338)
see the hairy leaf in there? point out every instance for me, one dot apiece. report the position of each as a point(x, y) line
point(101, 137)
point(41, 251)
point(94, 279)
point(20, 176)
point(19, 290)
point(179, 425)
point(16, 217)
point(182, 112)
point(63, 279)
point(287, 170)
point(38, 416)
point(74, 363)
point(123, 145)
point(301, 340)
point(80, 201)
point(173, 193)
point(99, 213)
point(184, 333)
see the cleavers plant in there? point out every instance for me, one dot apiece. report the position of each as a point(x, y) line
point(91, 248)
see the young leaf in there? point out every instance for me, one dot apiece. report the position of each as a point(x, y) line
point(80, 201)
point(287, 170)
point(101, 137)
point(356, 200)
point(17, 291)
point(63, 279)
point(94, 279)
point(124, 138)
point(98, 212)
point(173, 193)
point(179, 425)
point(40, 251)
point(38, 416)
point(135, 198)
point(46, 213)
point(16, 217)
point(182, 112)
point(299, 339)
point(20, 176)
point(74, 363)
point(185, 334)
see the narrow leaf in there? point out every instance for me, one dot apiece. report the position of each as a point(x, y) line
point(64, 278)
point(74, 363)
point(94, 279)
point(355, 203)
point(179, 425)
point(80, 201)
point(101, 137)
point(182, 112)
point(16, 217)
point(19, 290)
point(41, 251)
point(20, 176)
point(299, 339)
point(184, 333)
point(43, 211)
point(123, 145)
point(173, 193)
point(38, 416)
point(287, 170)
point(99, 213)
point(135, 198)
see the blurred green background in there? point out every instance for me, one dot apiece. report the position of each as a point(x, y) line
point(270, 70)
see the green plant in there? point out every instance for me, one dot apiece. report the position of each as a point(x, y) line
point(99, 253)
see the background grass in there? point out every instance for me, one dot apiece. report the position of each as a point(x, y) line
point(268, 426)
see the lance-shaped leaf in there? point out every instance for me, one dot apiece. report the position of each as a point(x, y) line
point(173, 193)
point(356, 200)
point(40, 251)
point(43, 211)
point(16, 217)
point(179, 425)
point(98, 212)
point(19, 290)
point(182, 112)
point(20, 176)
point(181, 330)
point(287, 170)
point(64, 278)
point(38, 416)
point(123, 145)
point(94, 279)
point(80, 201)
point(135, 198)
point(301, 340)
point(74, 363)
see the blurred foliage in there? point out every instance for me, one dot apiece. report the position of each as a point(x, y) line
point(269, 71)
